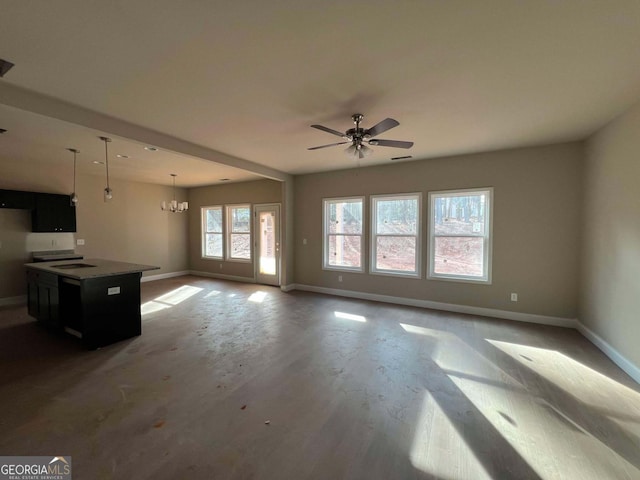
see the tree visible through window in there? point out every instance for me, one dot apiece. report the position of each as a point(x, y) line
point(395, 234)
point(212, 228)
point(239, 232)
point(343, 234)
point(460, 235)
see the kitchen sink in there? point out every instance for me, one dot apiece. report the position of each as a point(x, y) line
point(68, 266)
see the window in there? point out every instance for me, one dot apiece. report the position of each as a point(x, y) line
point(239, 232)
point(342, 242)
point(212, 232)
point(395, 234)
point(460, 230)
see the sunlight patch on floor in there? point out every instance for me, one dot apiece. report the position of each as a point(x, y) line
point(350, 316)
point(575, 378)
point(169, 300)
point(212, 293)
point(439, 450)
point(420, 330)
point(258, 297)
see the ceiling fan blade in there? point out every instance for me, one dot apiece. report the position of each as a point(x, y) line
point(383, 126)
point(329, 130)
point(391, 143)
point(325, 146)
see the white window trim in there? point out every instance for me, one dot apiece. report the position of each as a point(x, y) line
point(203, 236)
point(417, 236)
point(227, 236)
point(488, 237)
point(325, 235)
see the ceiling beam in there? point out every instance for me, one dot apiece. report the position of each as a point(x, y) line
point(34, 102)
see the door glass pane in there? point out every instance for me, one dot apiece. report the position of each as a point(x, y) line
point(267, 243)
point(459, 255)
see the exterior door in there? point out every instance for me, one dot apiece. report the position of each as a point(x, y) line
point(267, 234)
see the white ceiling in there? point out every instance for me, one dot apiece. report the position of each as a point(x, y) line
point(246, 79)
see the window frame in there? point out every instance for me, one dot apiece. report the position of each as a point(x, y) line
point(326, 202)
point(229, 233)
point(374, 199)
point(203, 217)
point(486, 279)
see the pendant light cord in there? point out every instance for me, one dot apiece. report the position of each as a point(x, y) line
point(106, 157)
point(74, 171)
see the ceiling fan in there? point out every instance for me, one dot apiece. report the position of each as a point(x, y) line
point(358, 137)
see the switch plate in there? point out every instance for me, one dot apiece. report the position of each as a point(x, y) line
point(514, 297)
point(339, 278)
point(304, 241)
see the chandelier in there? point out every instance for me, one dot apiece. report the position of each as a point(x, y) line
point(175, 206)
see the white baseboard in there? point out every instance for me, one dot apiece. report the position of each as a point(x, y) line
point(629, 368)
point(288, 288)
point(233, 278)
point(160, 276)
point(7, 301)
point(448, 307)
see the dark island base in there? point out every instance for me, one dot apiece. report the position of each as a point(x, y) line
point(100, 310)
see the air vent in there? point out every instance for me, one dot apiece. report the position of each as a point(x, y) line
point(2, 130)
point(5, 67)
point(401, 158)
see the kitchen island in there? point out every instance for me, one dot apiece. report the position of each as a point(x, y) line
point(95, 300)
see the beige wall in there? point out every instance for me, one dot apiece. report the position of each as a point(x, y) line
point(262, 191)
point(130, 228)
point(537, 194)
point(610, 288)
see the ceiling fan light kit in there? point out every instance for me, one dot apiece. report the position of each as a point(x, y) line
point(359, 137)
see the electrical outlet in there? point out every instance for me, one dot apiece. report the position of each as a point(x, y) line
point(514, 297)
point(304, 241)
point(339, 278)
point(220, 266)
point(80, 241)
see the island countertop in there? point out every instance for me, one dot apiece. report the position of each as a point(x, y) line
point(95, 268)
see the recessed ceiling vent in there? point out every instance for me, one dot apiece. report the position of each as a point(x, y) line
point(5, 67)
point(401, 158)
point(2, 130)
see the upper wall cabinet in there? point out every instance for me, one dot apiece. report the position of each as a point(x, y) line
point(53, 213)
point(17, 199)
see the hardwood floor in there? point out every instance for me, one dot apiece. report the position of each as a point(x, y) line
point(351, 389)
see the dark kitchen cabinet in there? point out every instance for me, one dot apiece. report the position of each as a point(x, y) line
point(53, 213)
point(17, 199)
point(43, 298)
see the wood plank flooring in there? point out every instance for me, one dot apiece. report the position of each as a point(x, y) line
point(351, 390)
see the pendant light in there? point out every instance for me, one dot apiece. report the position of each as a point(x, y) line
point(73, 197)
point(108, 193)
point(174, 206)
